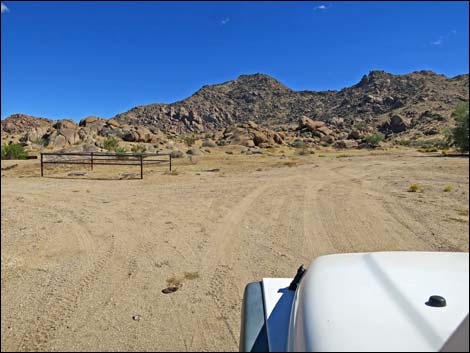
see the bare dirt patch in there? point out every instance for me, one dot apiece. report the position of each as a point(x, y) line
point(82, 258)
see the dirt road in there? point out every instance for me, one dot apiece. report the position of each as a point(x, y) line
point(84, 261)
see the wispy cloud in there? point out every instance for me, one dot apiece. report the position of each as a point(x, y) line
point(443, 38)
point(5, 8)
point(225, 21)
point(322, 7)
point(438, 41)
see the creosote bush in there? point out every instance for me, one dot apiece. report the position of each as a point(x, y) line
point(138, 149)
point(13, 151)
point(111, 144)
point(460, 133)
point(374, 139)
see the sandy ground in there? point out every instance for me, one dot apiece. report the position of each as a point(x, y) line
point(84, 261)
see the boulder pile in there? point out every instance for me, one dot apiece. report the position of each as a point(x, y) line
point(250, 134)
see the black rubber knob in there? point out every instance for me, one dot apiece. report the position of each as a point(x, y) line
point(436, 301)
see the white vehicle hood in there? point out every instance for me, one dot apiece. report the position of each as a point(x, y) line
point(372, 302)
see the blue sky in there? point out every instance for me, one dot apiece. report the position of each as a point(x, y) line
point(74, 59)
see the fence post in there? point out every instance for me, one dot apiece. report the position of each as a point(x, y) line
point(42, 172)
point(91, 160)
point(141, 166)
point(170, 161)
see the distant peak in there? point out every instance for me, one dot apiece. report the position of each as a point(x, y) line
point(260, 81)
point(256, 76)
point(378, 74)
point(426, 72)
point(373, 76)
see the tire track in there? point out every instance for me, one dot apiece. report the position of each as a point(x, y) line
point(62, 299)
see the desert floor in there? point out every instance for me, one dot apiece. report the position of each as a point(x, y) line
point(84, 259)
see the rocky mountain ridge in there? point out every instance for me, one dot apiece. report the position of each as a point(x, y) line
point(416, 104)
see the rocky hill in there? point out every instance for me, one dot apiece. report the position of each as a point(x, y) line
point(415, 104)
point(264, 100)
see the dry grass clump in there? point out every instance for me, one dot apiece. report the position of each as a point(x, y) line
point(171, 172)
point(428, 149)
point(463, 212)
point(290, 164)
point(448, 188)
point(174, 281)
point(177, 281)
point(414, 188)
point(304, 151)
point(191, 275)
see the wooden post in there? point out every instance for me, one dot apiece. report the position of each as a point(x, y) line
point(141, 166)
point(42, 172)
point(91, 160)
point(170, 161)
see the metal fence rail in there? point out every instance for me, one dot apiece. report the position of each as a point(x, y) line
point(104, 158)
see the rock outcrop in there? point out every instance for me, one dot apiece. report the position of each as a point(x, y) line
point(256, 110)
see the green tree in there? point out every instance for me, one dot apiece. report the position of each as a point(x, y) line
point(460, 133)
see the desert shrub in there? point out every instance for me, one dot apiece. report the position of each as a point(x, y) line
point(40, 141)
point(121, 152)
point(111, 144)
point(138, 149)
point(360, 125)
point(374, 139)
point(414, 188)
point(305, 151)
point(190, 140)
point(343, 156)
point(402, 142)
point(460, 133)
point(298, 144)
point(176, 154)
point(437, 143)
point(13, 151)
point(419, 143)
point(448, 188)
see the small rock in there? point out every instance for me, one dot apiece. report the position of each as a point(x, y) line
point(194, 152)
point(169, 290)
point(77, 173)
point(129, 175)
point(209, 143)
point(136, 317)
